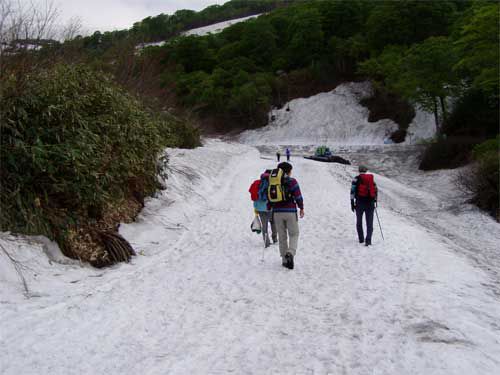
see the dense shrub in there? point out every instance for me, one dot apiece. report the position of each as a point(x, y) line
point(473, 120)
point(483, 179)
point(449, 152)
point(474, 115)
point(72, 144)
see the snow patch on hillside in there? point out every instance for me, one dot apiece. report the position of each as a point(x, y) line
point(217, 27)
point(153, 44)
point(333, 118)
point(422, 127)
point(200, 31)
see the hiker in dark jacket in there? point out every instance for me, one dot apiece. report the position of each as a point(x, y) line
point(363, 201)
point(285, 216)
point(278, 156)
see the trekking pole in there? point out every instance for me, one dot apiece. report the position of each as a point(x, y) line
point(263, 250)
point(380, 226)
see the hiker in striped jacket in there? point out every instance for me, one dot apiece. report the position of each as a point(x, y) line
point(286, 218)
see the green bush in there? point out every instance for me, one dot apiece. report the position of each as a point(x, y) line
point(446, 153)
point(485, 149)
point(72, 143)
point(484, 178)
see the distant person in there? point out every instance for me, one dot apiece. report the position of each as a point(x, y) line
point(278, 156)
point(287, 154)
point(284, 196)
point(363, 201)
point(258, 193)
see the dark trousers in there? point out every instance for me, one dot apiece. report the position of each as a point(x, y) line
point(278, 157)
point(367, 208)
point(288, 158)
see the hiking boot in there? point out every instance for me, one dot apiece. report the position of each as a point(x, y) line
point(361, 241)
point(289, 261)
point(368, 243)
point(283, 262)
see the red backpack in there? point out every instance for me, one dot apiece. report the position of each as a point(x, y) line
point(254, 190)
point(366, 186)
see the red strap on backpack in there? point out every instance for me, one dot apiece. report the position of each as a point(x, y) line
point(366, 186)
point(254, 190)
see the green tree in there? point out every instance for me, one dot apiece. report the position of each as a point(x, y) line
point(478, 48)
point(343, 18)
point(426, 75)
point(229, 51)
point(259, 42)
point(306, 42)
point(345, 53)
point(193, 54)
point(385, 68)
point(408, 21)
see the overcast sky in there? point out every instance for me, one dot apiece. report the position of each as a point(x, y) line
point(106, 15)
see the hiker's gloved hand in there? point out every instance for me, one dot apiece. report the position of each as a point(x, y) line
point(353, 206)
point(376, 205)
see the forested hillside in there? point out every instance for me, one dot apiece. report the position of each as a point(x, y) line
point(164, 26)
point(426, 52)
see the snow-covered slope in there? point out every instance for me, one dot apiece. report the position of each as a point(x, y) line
point(200, 31)
point(141, 46)
point(198, 299)
point(423, 127)
point(332, 118)
point(217, 27)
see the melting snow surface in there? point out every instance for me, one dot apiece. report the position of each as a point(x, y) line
point(204, 297)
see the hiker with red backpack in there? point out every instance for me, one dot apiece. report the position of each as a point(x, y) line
point(364, 201)
point(258, 194)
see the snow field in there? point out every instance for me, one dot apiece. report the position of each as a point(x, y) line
point(333, 118)
point(200, 301)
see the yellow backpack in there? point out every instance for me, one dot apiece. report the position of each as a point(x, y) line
point(276, 190)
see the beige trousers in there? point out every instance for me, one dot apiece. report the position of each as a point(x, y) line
point(287, 225)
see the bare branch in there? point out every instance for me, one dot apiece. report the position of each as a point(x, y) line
point(73, 28)
point(17, 267)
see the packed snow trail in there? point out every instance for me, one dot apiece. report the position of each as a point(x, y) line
point(198, 300)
